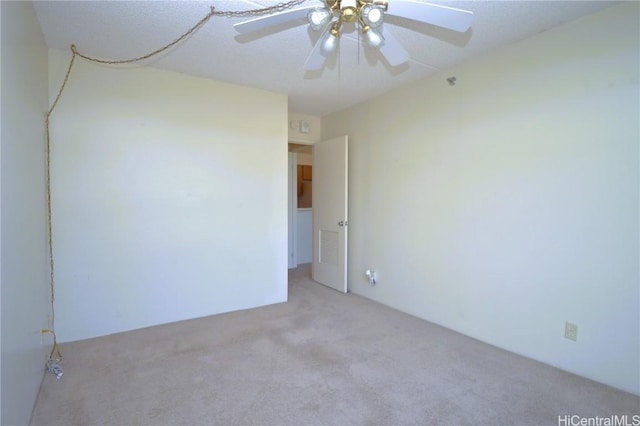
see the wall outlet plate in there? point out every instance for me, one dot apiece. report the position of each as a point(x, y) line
point(571, 331)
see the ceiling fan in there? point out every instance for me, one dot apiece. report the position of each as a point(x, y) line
point(368, 16)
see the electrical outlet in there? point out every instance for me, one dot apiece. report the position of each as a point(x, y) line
point(570, 331)
point(371, 275)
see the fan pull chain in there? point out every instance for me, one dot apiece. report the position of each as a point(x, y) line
point(359, 41)
point(339, 62)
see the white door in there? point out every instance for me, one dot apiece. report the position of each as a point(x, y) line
point(330, 222)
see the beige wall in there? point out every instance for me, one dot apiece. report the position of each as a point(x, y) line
point(157, 181)
point(25, 272)
point(508, 204)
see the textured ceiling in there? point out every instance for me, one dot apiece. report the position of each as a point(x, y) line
point(273, 59)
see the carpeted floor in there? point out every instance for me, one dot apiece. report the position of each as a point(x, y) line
point(323, 358)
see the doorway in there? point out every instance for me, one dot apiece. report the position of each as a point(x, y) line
point(300, 204)
point(328, 214)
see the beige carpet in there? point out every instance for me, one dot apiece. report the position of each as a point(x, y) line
point(323, 358)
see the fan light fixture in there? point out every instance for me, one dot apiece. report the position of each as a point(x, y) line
point(368, 13)
point(372, 15)
point(368, 16)
point(374, 38)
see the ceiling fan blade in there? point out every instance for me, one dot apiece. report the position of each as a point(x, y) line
point(392, 50)
point(442, 16)
point(316, 58)
point(271, 20)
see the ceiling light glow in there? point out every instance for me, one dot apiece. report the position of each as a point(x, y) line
point(372, 15)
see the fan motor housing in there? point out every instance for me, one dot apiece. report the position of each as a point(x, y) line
point(349, 13)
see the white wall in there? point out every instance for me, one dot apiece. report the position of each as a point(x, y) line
point(25, 272)
point(304, 236)
point(155, 197)
point(508, 204)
